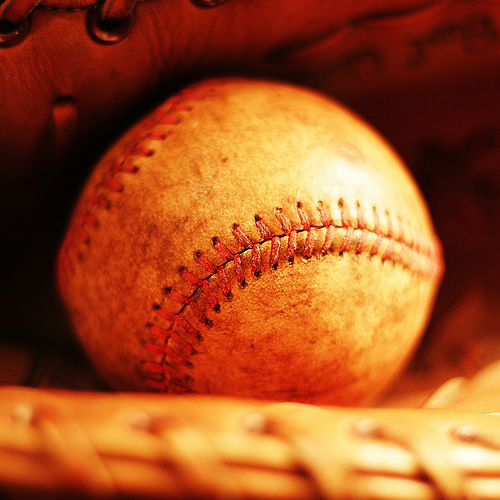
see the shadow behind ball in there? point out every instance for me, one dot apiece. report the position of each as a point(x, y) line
point(253, 239)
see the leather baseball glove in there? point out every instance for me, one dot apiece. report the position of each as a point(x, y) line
point(75, 73)
point(94, 445)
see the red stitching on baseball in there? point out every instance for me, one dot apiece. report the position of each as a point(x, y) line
point(239, 271)
point(190, 278)
point(242, 238)
point(204, 262)
point(264, 231)
point(256, 260)
point(101, 197)
point(275, 252)
point(417, 254)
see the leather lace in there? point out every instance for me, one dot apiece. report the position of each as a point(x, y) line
point(15, 11)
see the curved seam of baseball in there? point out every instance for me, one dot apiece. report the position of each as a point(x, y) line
point(401, 244)
point(79, 232)
point(341, 236)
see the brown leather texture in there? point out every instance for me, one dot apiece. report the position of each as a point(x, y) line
point(60, 444)
point(422, 72)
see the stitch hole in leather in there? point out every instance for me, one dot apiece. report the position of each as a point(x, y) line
point(12, 34)
point(207, 4)
point(62, 132)
point(110, 30)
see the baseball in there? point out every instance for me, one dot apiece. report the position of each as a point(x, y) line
point(254, 239)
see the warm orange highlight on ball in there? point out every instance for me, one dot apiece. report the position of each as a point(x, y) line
point(254, 239)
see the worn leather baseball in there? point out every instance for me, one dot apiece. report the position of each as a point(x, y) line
point(255, 239)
